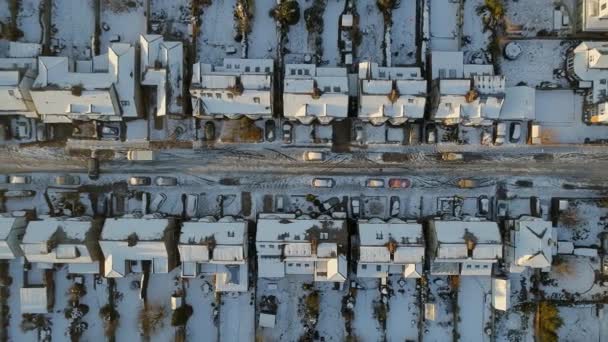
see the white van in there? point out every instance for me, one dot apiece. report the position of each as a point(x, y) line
point(313, 156)
point(142, 155)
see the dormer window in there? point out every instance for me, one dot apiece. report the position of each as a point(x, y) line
point(306, 72)
point(247, 69)
point(336, 89)
point(379, 236)
point(292, 72)
point(257, 69)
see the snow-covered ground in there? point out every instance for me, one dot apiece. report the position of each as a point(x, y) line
point(590, 221)
point(172, 17)
point(581, 323)
point(216, 32)
point(371, 25)
point(475, 311)
point(441, 326)
point(29, 21)
point(289, 294)
point(444, 29)
point(331, 20)
point(200, 295)
point(74, 33)
point(297, 38)
point(366, 326)
point(15, 332)
point(128, 303)
point(537, 16)
point(331, 321)
point(403, 33)
point(160, 289)
point(473, 28)
point(237, 316)
point(124, 20)
point(263, 38)
point(404, 311)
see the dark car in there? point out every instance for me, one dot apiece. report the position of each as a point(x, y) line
point(93, 168)
point(287, 133)
point(269, 130)
point(209, 131)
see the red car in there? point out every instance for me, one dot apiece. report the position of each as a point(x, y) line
point(399, 183)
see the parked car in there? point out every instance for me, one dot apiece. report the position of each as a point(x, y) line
point(502, 210)
point(19, 193)
point(323, 183)
point(191, 205)
point(466, 183)
point(209, 131)
point(501, 133)
point(331, 203)
point(139, 181)
point(93, 168)
point(21, 128)
point(374, 183)
point(269, 130)
point(287, 133)
point(399, 183)
point(165, 181)
point(313, 156)
point(483, 205)
point(355, 206)
point(486, 138)
point(515, 132)
point(67, 180)
point(110, 131)
point(358, 133)
point(41, 132)
point(18, 179)
point(431, 134)
point(158, 202)
point(535, 208)
point(395, 206)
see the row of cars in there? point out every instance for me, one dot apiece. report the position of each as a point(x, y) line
point(393, 183)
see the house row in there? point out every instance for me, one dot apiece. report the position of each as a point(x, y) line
point(587, 67)
point(108, 87)
point(286, 245)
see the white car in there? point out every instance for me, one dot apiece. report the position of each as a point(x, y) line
point(374, 183)
point(355, 206)
point(19, 179)
point(313, 156)
point(192, 205)
point(501, 133)
point(323, 183)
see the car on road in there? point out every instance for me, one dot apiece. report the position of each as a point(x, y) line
point(142, 155)
point(465, 183)
point(313, 156)
point(67, 180)
point(18, 179)
point(287, 133)
point(399, 183)
point(139, 181)
point(450, 156)
point(515, 132)
point(209, 131)
point(165, 181)
point(269, 130)
point(158, 202)
point(323, 182)
point(374, 183)
point(355, 206)
point(395, 206)
point(93, 168)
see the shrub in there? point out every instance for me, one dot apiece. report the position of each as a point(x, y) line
point(151, 319)
point(181, 315)
point(312, 302)
point(286, 13)
point(77, 291)
point(549, 322)
point(110, 319)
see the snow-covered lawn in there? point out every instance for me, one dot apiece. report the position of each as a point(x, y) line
point(331, 322)
point(263, 38)
point(404, 310)
point(297, 38)
point(475, 312)
point(237, 316)
point(331, 20)
point(128, 304)
point(217, 32)
point(473, 28)
point(536, 15)
point(371, 25)
point(574, 275)
point(289, 293)
point(160, 289)
point(403, 33)
point(96, 298)
point(441, 328)
point(444, 25)
point(14, 301)
point(122, 20)
point(173, 16)
point(200, 295)
point(582, 222)
point(59, 323)
point(74, 21)
point(581, 323)
point(536, 63)
point(29, 21)
point(365, 326)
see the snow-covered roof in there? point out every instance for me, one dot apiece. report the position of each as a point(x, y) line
point(162, 67)
point(69, 230)
point(226, 231)
point(239, 87)
point(593, 17)
point(501, 293)
point(378, 233)
point(453, 238)
point(327, 250)
point(147, 229)
point(285, 230)
point(371, 70)
point(24, 50)
point(331, 84)
point(10, 228)
point(519, 104)
point(335, 269)
point(270, 267)
point(454, 86)
point(99, 94)
point(447, 64)
point(533, 241)
point(33, 300)
point(585, 63)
